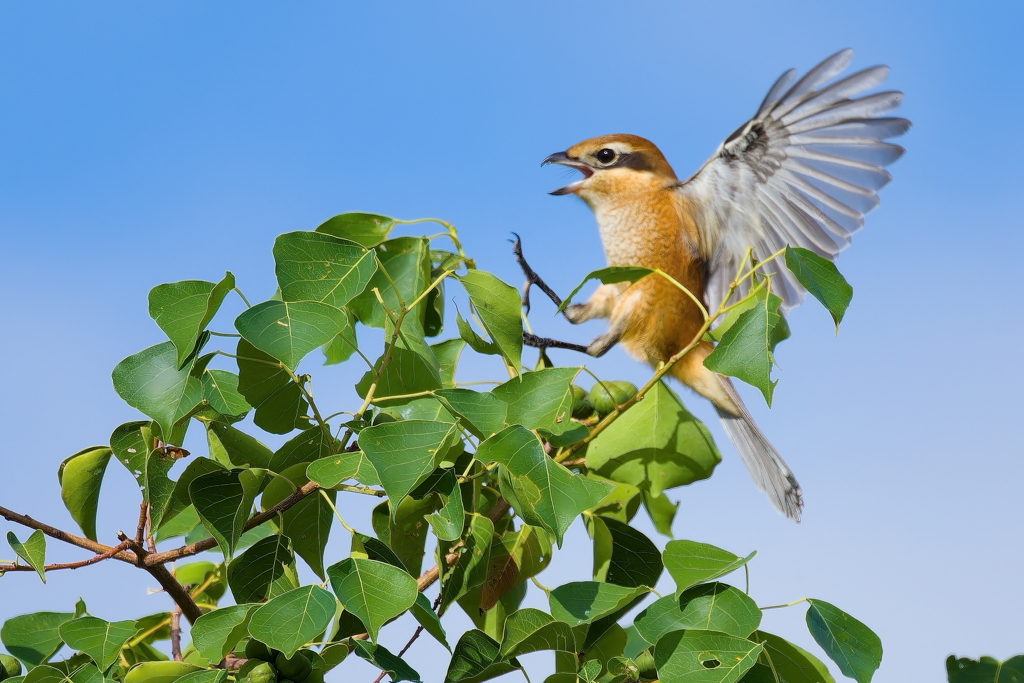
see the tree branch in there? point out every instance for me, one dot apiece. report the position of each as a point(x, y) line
point(176, 633)
point(174, 589)
point(153, 559)
point(53, 532)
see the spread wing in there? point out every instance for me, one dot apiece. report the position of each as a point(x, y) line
point(802, 172)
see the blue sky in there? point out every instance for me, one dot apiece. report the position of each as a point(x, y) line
point(146, 143)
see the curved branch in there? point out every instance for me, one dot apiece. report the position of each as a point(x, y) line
point(60, 535)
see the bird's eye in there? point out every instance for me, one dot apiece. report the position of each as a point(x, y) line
point(606, 156)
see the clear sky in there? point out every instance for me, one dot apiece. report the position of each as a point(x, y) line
point(143, 143)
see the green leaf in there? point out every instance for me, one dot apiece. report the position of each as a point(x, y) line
point(384, 659)
point(475, 341)
point(482, 413)
point(590, 671)
point(661, 510)
point(313, 266)
point(34, 638)
point(220, 390)
point(33, 550)
point(540, 400)
point(448, 522)
point(269, 389)
point(224, 500)
point(44, 674)
point(582, 602)
point(405, 453)
point(159, 672)
point(608, 276)
point(690, 563)
point(303, 448)
point(180, 497)
point(719, 607)
point(373, 591)
point(234, 448)
point(288, 330)
point(206, 676)
point(180, 524)
point(623, 555)
point(289, 621)
point(543, 492)
point(262, 572)
point(367, 229)
point(428, 619)
point(101, 640)
point(985, 670)
point(308, 522)
point(711, 607)
point(477, 658)
point(783, 661)
point(133, 444)
point(747, 348)
point(608, 647)
point(470, 570)
point(9, 666)
point(530, 630)
point(656, 445)
point(850, 644)
point(822, 280)
point(344, 344)
point(216, 633)
point(184, 309)
point(151, 382)
point(407, 373)
point(447, 354)
point(80, 476)
point(406, 261)
point(500, 310)
point(336, 469)
point(704, 656)
point(404, 531)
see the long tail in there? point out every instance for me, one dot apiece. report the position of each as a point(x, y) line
point(766, 467)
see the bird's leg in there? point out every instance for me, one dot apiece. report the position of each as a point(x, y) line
point(545, 343)
point(531, 278)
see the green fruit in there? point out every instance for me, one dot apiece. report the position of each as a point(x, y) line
point(256, 671)
point(9, 666)
point(297, 668)
point(608, 396)
point(254, 649)
point(581, 407)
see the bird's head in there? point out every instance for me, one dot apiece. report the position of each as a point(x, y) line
point(613, 167)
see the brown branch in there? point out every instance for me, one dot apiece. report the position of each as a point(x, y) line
point(176, 633)
point(53, 532)
point(67, 565)
point(174, 589)
point(143, 521)
point(254, 521)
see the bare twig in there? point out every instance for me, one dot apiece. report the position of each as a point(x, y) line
point(176, 633)
point(140, 532)
point(67, 565)
point(53, 532)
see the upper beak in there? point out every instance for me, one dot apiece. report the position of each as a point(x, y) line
point(565, 160)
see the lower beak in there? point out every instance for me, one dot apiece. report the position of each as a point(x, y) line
point(563, 159)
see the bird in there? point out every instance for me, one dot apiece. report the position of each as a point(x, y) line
point(803, 172)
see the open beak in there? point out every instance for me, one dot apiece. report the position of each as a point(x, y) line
point(564, 159)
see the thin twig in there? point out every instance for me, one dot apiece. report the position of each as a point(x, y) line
point(176, 633)
point(71, 539)
point(143, 521)
point(67, 565)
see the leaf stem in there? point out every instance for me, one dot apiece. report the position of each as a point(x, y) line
point(788, 604)
point(336, 513)
point(244, 300)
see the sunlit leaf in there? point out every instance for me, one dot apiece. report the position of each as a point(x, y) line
point(80, 476)
point(482, 412)
point(704, 656)
point(582, 602)
point(293, 619)
point(34, 638)
point(151, 382)
point(690, 563)
point(747, 348)
point(367, 229)
point(288, 331)
point(530, 630)
point(216, 633)
point(656, 445)
point(374, 592)
point(33, 550)
point(184, 309)
point(101, 640)
point(500, 310)
point(540, 400)
point(159, 672)
point(314, 266)
point(822, 280)
point(405, 453)
point(542, 491)
point(135, 446)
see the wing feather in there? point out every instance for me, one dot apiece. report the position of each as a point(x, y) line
point(803, 172)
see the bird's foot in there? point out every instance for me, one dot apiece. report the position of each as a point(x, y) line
point(546, 343)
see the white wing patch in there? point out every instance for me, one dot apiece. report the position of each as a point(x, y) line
point(803, 172)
